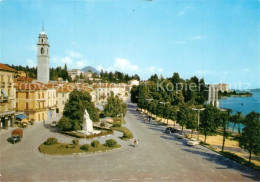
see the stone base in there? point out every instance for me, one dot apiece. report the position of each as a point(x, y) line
point(88, 132)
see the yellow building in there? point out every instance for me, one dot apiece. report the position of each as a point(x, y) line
point(62, 95)
point(31, 98)
point(7, 96)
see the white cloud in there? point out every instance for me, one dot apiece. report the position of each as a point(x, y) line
point(67, 60)
point(81, 64)
point(121, 64)
point(153, 69)
point(180, 42)
point(197, 37)
point(31, 63)
point(74, 54)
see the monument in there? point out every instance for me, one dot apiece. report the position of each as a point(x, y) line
point(87, 125)
point(213, 95)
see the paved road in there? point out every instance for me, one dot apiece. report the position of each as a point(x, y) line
point(158, 157)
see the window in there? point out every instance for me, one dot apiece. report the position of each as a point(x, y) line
point(16, 94)
point(9, 92)
point(62, 94)
point(42, 94)
point(27, 105)
point(42, 40)
point(63, 102)
point(42, 116)
point(27, 95)
point(8, 79)
point(2, 78)
point(39, 105)
point(56, 102)
point(16, 105)
point(39, 117)
point(39, 95)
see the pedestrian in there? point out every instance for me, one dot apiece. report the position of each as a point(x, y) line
point(135, 142)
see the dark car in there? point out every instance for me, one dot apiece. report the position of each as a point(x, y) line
point(15, 139)
point(170, 130)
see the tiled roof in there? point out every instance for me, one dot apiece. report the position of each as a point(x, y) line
point(6, 68)
point(23, 79)
point(22, 86)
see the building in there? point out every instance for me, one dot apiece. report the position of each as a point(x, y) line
point(51, 100)
point(31, 98)
point(20, 74)
point(62, 95)
point(75, 73)
point(133, 82)
point(43, 58)
point(223, 87)
point(7, 96)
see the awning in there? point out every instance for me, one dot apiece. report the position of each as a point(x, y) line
point(21, 116)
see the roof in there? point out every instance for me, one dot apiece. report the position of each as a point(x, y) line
point(6, 68)
point(24, 79)
point(24, 86)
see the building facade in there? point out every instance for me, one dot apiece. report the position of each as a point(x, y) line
point(43, 58)
point(7, 96)
point(31, 98)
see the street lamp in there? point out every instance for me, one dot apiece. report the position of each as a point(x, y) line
point(198, 118)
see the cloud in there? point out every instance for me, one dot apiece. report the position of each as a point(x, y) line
point(67, 60)
point(181, 13)
point(180, 42)
point(31, 63)
point(197, 37)
point(121, 64)
point(74, 54)
point(153, 69)
point(72, 60)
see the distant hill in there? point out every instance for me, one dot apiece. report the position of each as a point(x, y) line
point(90, 68)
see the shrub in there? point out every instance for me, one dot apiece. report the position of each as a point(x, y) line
point(76, 127)
point(95, 143)
point(102, 124)
point(51, 141)
point(111, 143)
point(117, 124)
point(75, 142)
point(85, 147)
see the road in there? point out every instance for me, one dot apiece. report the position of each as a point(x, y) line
point(158, 157)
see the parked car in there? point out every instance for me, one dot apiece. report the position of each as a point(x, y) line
point(170, 130)
point(54, 123)
point(16, 135)
point(193, 141)
point(180, 135)
point(15, 139)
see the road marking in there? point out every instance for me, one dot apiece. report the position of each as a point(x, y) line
point(148, 178)
point(202, 164)
point(133, 179)
point(212, 170)
point(223, 176)
point(165, 177)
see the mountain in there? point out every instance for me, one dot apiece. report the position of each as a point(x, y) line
point(90, 68)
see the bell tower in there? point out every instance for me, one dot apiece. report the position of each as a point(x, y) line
point(43, 58)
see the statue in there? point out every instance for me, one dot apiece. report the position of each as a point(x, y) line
point(87, 124)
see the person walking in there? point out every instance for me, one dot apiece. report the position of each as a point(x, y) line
point(135, 142)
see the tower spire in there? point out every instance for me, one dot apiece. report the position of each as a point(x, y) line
point(43, 26)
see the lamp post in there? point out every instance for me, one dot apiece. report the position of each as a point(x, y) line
point(198, 118)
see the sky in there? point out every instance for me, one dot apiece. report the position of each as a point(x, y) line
point(218, 40)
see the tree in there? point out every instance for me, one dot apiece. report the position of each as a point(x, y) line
point(224, 117)
point(134, 94)
point(210, 120)
point(250, 137)
point(192, 122)
point(74, 109)
point(114, 106)
point(183, 116)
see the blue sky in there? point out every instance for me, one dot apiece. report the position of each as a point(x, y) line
point(218, 40)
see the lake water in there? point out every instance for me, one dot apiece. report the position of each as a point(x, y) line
point(243, 104)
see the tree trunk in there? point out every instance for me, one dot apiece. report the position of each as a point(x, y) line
point(205, 138)
point(234, 124)
point(239, 128)
point(250, 152)
point(224, 137)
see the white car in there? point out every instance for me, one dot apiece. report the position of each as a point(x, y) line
point(193, 141)
point(180, 136)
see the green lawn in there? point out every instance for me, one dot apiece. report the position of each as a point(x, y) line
point(127, 133)
point(61, 149)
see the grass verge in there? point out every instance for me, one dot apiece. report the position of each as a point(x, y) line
point(127, 133)
point(68, 149)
